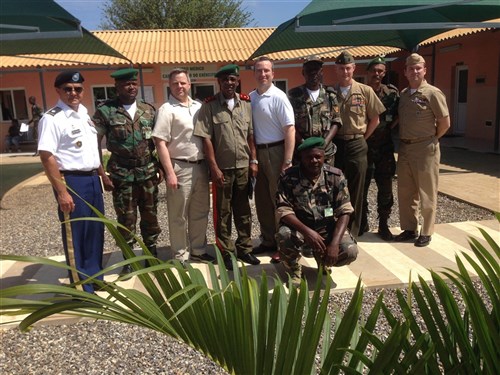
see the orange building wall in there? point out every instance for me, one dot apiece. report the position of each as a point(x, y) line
point(479, 52)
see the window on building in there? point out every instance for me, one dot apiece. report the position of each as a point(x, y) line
point(102, 93)
point(14, 105)
point(281, 84)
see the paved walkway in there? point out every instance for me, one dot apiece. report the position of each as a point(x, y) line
point(468, 176)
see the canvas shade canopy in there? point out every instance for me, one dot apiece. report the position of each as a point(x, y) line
point(44, 27)
point(394, 23)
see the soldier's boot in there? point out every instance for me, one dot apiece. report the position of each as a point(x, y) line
point(153, 251)
point(383, 229)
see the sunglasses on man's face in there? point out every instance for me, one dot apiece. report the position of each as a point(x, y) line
point(69, 90)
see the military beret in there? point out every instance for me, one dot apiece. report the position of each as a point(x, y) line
point(313, 59)
point(344, 58)
point(375, 61)
point(230, 69)
point(311, 142)
point(127, 74)
point(414, 58)
point(68, 76)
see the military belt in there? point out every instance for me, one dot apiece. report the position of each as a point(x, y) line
point(348, 137)
point(93, 172)
point(269, 145)
point(131, 162)
point(416, 140)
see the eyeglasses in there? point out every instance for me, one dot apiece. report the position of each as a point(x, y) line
point(69, 89)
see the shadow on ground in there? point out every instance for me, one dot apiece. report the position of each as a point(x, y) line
point(13, 174)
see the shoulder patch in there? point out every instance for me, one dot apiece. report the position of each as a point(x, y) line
point(245, 97)
point(209, 99)
point(331, 169)
point(54, 111)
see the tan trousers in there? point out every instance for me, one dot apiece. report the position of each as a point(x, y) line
point(418, 173)
point(270, 162)
point(188, 208)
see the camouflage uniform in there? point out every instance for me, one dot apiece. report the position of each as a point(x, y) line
point(315, 119)
point(308, 202)
point(381, 162)
point(132, 167)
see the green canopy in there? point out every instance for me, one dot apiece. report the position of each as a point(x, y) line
point(30, 27)
point(394, 23)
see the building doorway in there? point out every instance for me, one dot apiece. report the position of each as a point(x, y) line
point(201, 91)
point(461, 78)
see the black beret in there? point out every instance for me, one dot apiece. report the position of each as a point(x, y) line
point(311, 142)
point(375, 61)
point(127, 74)
point(230, 69)
point(68, 76)
point(344, 58)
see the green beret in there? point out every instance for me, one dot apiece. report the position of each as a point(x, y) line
point(127, 74)
point(230, 69)
point(375, 61)
point(311, 142)
point(69, 76)
point(344, 58)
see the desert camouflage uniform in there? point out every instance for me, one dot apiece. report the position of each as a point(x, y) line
point(381, 162)
point(315, 119)
point(307, 201)
point(132, 167)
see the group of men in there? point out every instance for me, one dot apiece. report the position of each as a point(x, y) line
point(308, 158)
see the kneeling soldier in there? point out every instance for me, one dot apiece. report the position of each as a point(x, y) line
point(312, 211)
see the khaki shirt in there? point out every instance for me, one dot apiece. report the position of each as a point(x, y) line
point(360, 105)
point(228, 130)
point(419, 111)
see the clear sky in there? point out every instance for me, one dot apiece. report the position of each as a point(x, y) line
point(266, 13)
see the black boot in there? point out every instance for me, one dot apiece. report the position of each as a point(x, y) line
point(383, 230)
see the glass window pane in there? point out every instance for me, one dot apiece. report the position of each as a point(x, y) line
point(20, 105)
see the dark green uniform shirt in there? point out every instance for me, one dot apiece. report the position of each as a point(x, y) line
point(314, 204)
point(129, 140)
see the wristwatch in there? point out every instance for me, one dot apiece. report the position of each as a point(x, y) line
point(288, 161)
point(253, 161)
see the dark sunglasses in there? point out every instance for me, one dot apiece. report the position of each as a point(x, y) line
point(69, 90)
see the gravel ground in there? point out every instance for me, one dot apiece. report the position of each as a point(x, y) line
point(29, 227)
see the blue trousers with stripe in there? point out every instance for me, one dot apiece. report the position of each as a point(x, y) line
point(83, 240)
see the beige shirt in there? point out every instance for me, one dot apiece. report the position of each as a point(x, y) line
point(360, 105)
point(227, 129)
point(419, 111)
point(175, 125)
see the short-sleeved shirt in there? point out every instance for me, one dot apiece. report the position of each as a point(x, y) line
point(419, 111)
point(129, 140)
point(307, 200)
point(271, 112)
point(71, 137)
point(360, 105)
point(228, 130)
point(175, 125)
